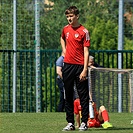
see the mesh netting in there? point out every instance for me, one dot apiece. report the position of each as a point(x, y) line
point(112, 88)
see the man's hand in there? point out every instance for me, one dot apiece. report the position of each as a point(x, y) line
point(82, 76)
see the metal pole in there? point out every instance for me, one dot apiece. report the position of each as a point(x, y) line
point(120, 47)
point(14, 55)
point(37, 41)
point(132, 91)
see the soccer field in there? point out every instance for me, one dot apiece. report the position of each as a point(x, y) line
point(54, 122)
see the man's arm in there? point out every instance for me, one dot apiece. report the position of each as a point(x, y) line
point(86, 58)
point(58, 71)
point(78, 120)
point(77, 112)
point(63, 45)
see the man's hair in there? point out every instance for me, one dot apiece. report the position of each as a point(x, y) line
point(72, 10)
point(91, 57)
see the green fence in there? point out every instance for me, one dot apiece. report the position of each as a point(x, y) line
point(19, 27)
point(26, 83)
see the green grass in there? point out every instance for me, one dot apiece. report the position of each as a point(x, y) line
point(54, 122)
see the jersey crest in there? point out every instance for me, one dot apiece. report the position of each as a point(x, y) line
point(76, 35)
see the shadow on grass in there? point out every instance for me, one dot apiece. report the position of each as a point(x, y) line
point(113, 128)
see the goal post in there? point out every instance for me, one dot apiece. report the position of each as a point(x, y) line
point(112, 88)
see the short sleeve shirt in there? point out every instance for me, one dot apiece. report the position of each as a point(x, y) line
point(59, 63)
point(76, 39)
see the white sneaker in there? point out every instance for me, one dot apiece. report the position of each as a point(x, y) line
point(83, 127)
point(69, 127)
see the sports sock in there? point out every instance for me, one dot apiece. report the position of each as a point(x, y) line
point(105, 115)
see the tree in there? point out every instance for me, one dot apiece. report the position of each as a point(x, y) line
point(96, 16)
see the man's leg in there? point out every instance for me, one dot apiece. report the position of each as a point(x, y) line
point(68, 80)
point(82, 88)
point(103, 116)
point(61, 89)
point(84, 99)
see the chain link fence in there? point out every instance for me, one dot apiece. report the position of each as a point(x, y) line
point(26, 50)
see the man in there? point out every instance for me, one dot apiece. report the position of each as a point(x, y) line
point(91, 63)
point(75, 42)
point(59, 65)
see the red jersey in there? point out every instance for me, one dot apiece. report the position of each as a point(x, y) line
point(76, 39)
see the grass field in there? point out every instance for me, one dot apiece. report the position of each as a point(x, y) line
point(54, 122)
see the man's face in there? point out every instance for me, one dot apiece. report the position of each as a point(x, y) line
point(72, 19)
point(91, 61)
